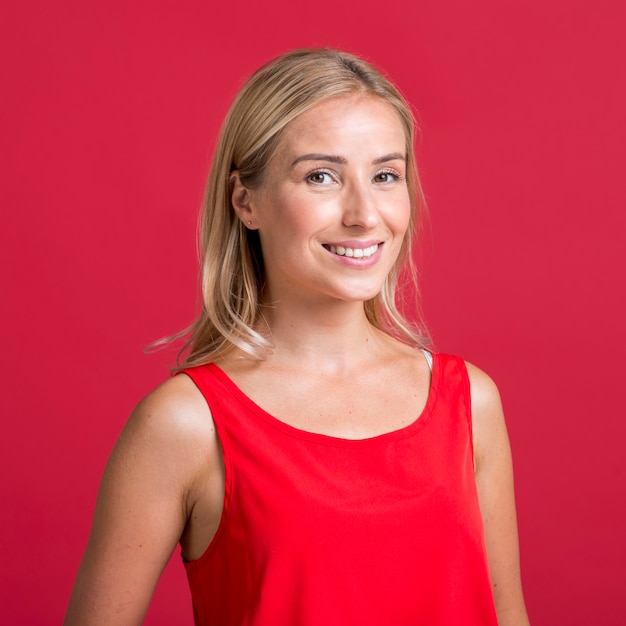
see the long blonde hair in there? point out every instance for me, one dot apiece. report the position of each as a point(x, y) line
point(232, 265)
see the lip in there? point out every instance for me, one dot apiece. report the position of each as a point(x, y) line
point(356, 262)
point(354, 243)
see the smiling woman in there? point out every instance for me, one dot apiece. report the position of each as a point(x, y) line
point(317, 464)
point(350, 194)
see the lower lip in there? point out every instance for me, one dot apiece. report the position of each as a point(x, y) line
point(362, 263)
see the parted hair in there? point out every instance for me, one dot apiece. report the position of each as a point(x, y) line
point(232, 271)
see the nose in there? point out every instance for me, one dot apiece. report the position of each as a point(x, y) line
point(360, 207)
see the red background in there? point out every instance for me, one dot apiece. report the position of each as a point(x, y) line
point(109, 112)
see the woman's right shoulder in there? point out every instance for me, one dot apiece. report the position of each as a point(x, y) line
point(175, 412)
point(165, 461)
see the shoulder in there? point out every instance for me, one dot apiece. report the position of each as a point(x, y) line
point(178, 392)
point(173, 421)
point(488, 426)
point(176, 404)
point(148, 491)
point(167, 448)
point(483, 389)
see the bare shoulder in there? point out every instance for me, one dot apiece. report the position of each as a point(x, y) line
point(175, 413)
point(176, 404)
point(489, 429)
point(165, 452)
point(485, 394)
point(167, 446)
point(169, 435)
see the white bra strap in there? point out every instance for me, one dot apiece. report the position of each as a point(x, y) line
point(429, 358)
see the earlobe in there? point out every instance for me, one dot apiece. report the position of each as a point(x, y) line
point(241, 200)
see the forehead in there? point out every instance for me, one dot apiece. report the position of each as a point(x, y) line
point(347, 121)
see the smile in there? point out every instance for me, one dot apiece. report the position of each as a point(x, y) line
point(357, 253)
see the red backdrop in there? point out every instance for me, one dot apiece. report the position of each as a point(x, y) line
point(109, 112)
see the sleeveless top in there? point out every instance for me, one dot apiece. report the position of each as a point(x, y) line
point(323, 531)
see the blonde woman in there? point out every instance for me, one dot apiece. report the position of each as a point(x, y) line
point(317, 464)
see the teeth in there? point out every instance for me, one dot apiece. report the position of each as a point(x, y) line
point(357, 253)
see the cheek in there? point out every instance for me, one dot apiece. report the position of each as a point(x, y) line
point(290, 229)
point(280, 207)
point(399, 222)
point(400, 214)
point(304, 215)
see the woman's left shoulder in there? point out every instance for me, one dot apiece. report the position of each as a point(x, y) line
point(484, 391)
point(488, 425)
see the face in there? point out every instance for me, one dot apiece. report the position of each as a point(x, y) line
point(334, 207)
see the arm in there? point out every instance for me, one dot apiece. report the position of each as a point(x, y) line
point(494, 482)
point(148, 490)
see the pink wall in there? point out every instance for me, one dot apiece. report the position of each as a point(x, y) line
point(109, 114)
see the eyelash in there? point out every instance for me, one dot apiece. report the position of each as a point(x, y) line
point(310, 175)
point(395, 175)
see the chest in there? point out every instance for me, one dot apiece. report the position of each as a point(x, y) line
point(365, 404)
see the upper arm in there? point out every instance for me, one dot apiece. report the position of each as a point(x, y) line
point(143, 505)
point(494, 482)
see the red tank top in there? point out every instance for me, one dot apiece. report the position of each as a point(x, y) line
point(323, 531)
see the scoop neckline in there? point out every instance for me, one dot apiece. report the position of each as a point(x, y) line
point(409, 430)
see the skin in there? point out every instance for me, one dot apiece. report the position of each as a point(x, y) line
point(164, 482)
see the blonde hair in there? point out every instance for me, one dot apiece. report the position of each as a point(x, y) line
point(232, 265)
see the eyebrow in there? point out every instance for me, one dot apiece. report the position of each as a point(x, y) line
point(332, 158)
point(393, 156)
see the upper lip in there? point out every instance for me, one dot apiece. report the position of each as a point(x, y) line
point(355, 243)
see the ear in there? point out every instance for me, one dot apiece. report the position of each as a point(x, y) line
point(241, 199)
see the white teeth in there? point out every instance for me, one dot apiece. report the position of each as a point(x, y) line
point(357, 253)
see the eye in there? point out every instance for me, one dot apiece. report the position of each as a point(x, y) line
point(386, 176)
point(320, 177)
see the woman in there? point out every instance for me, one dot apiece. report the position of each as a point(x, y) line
point(316, 464)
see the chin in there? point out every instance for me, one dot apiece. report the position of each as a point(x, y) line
point(361, 295)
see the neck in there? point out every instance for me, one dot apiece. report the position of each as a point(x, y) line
point(331, 336)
